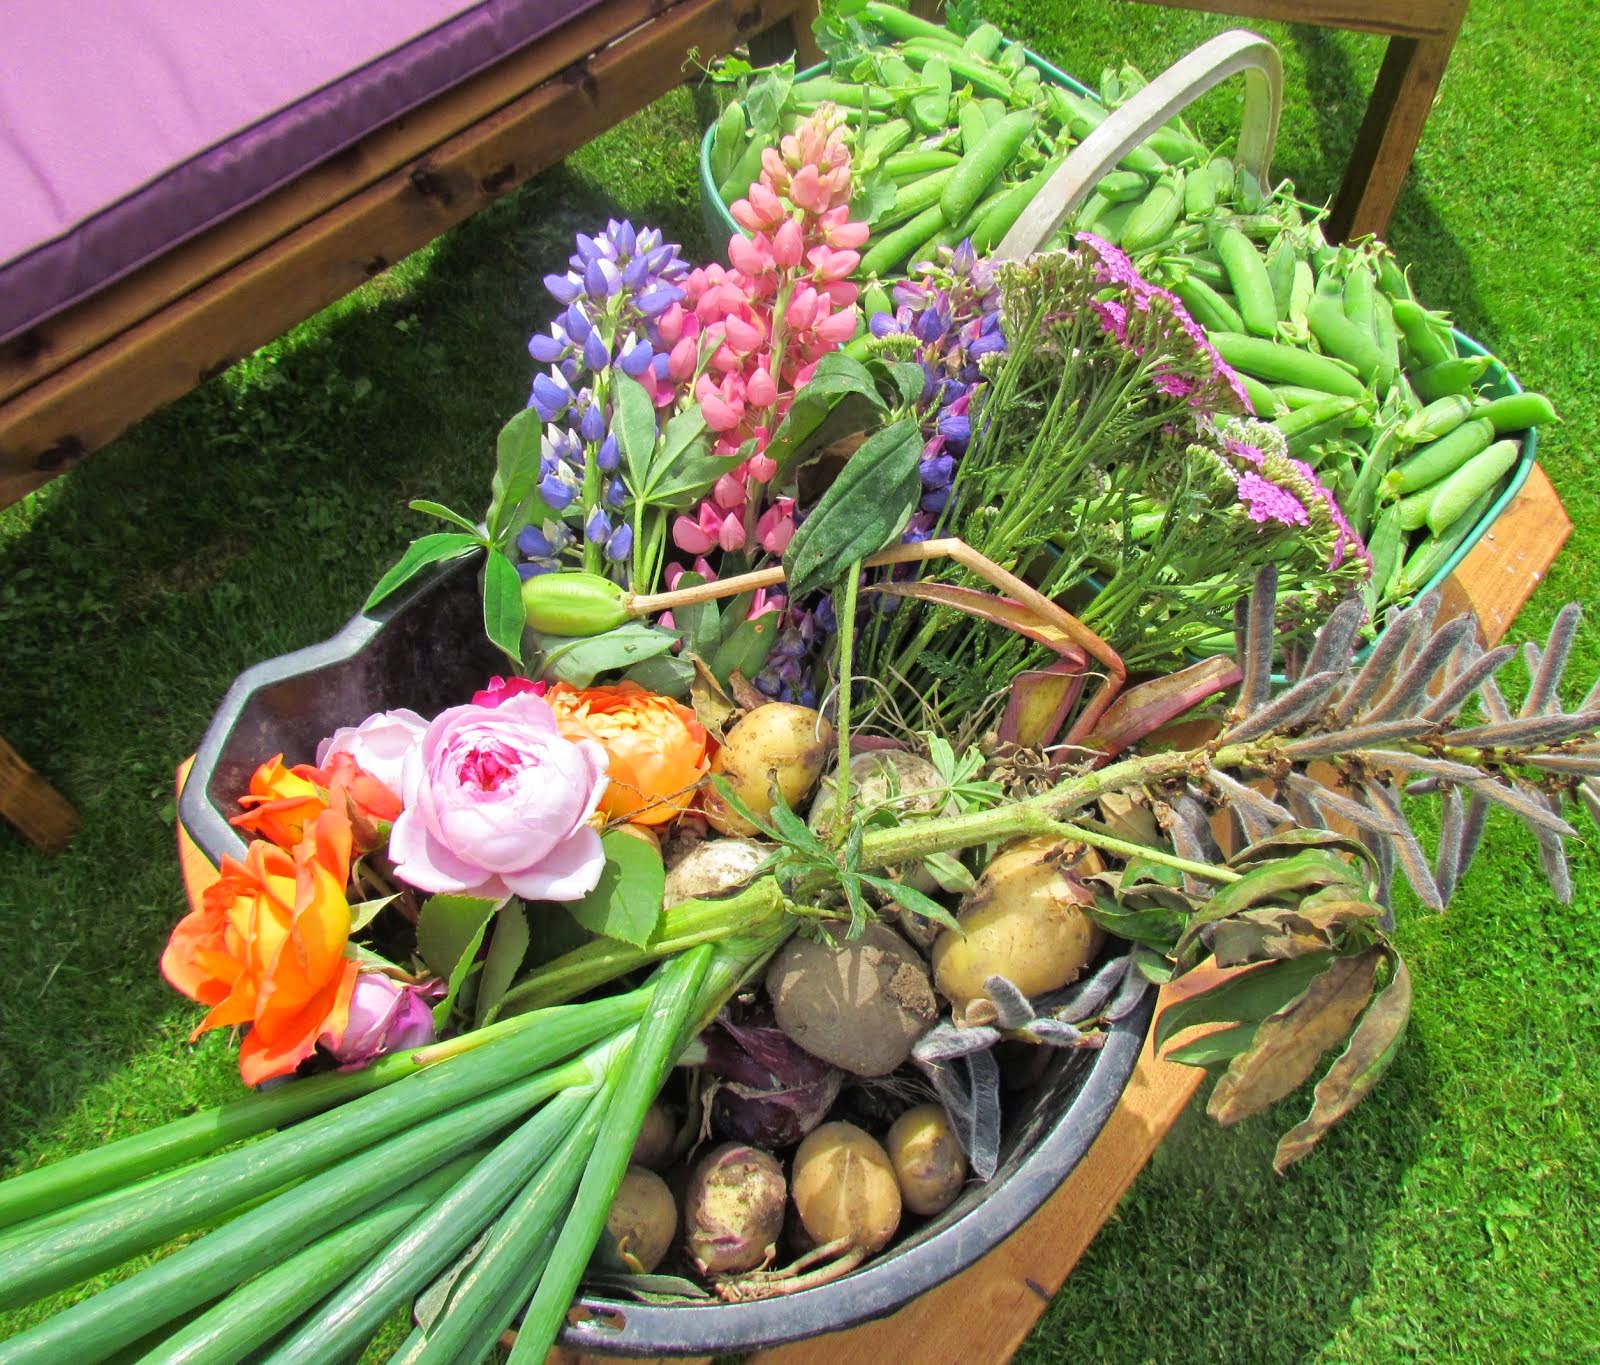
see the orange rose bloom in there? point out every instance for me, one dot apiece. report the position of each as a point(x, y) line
point(658, 750)
point(266, 948)
point(284, 802)
point(371, 806)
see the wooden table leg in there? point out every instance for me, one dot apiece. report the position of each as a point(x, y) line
point(1407, 83)
point(43, 816)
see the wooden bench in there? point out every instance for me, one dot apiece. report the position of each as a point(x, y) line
point(79, 379)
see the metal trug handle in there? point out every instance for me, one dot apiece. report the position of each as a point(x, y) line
point(1232, 53)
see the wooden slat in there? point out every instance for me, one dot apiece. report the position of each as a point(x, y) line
point(42, 350)
point(59, 420)
point(43, 817)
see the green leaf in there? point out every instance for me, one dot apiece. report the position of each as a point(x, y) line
point(1214, 1048)
point(364, 912)
point(683, 466)
point(626, 902)
point(767, 96)
point(905, 377)
point(438, 509)
point(746, 648)
point(515, 499)
point(874, 195)
point(507, 948)
point(665, 675)
point(914, 901)
point(633, 423)
point(701, 624)
point(502, 605)
point(1271, 881)
point(840, 397)
point(1159, 928)
point(737, 805)
point(580, 659)
point(449, 932)
point(863, 510)
point(791, 828)
point(422, 552)
point(1243, 997)
point(950, 872)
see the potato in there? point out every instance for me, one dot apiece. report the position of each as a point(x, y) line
point(927, 1158)
point(713, 868)
point(657, 1136)
point(921, 789)
point(643, 1218)
point(777, 743)
point(860, 1006)
point(844, 1188)
point(733, 1209)
point(1021, 921)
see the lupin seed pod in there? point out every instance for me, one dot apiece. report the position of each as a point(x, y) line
point(572, 604)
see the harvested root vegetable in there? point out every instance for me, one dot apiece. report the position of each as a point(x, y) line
point(733, 1210)
point(653, 1147)
point(860, 1006)
point(874, 776)
point(643, 1219)
point(845, 1189)
point(772, 1092)
point(713, 868)
point(1023, 921)
point(927, 1158)
point(776, 744)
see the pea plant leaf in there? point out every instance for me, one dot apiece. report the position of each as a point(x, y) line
point(626, 902)
point(580, 659)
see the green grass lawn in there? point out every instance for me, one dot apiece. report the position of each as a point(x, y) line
point(1453, 1217)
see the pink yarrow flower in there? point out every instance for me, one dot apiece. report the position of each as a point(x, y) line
point(497, 803)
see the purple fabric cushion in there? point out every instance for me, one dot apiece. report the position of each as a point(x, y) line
point(127, 126)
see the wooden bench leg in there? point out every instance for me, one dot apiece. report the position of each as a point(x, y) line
point(790, 35)
point(43, 816)
point(1407, 83)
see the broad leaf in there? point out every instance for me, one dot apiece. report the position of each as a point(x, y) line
point(1240, 996)
point(745, 649)
point(422, 552)
point(633, 422)
point(579, 660)
point(1350, 1079)
point(364, 912)
point(768, 94)
point(841, 396)
point(682, 467)
point(515, 499)
point(1214, 1048)
point(665, 675)
point(503, 618)
point(1159, 927)
point(507, 948)
point(1271, 882)
point(863, 510)
point(449, 932)
point(904, 377)
point(1288, 1045)
point(626, 903)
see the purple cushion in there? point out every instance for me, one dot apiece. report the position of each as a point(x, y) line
point(127, 126)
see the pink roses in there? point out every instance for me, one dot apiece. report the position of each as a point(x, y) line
point(497, 803)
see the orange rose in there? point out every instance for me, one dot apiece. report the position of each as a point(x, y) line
point(658, 750)
point(283, 800)
point(266, 948)
point(371, 806)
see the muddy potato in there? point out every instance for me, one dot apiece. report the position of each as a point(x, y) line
point(860, 1006)
point(643, 1218)
point(921, 789)
point(844, 1187)
point(713, 868)
point(733, 1209)
point(927, 1159)
point(778, 743)
point(653, 1147)
point(1022, 921)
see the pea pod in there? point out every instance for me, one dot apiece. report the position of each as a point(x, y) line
point(887, 139)
point(1200, 192)
point(1388, 339)
point(1360, 290)
point(1518, 412)
point(1120, 186)
point(1204, 268)
point(1342, 338)
point(1206, 306)
point(973, 125)
point(931, 110)
point(1413, 509)
point(1294, 328)
point(1001, 214)
point(1156, 214)
point(728, 141)
point(1281, 262)
point(1430, 556)
point(1295, 396)
point(744, 173)
point(1440, 458)
point(962, 68)
point(984, 42)
point(1090, 212)
point(846, 94)
point(1424, 343)
point(1175, 146)
point(1251, 286)
point(1458, 492)
point(1440, 418)
point(1264, 401)
point(888, 251)
point(1248, 191)
point(1383, 548)
point(1145, 161)
point(1391, 278)
point(899, 23)
point(980, 169)
point(1318, 421)
point(993, 110)
point(1113, 222)
point(918, 161)
point(912, 199)
point(1286, 364)
point(1459, 374)
point(1081, 115)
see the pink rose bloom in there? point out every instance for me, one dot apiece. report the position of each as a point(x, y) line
point(499, 689)
point(497, 804)
point(385, 1016)
point(379, 744)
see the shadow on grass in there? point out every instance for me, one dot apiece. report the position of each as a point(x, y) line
point(245, 520)
point(1213, 1258)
